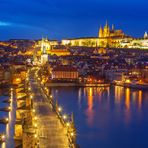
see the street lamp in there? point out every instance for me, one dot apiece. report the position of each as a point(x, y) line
point(35, 125)
point(72, 134)
point(3, 137)
point(31, 96)
point(64, 117)
point(59, 109)
point(7, 119)
point(35, 135)
point(67, 124)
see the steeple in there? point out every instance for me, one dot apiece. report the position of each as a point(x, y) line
point(113, 27)
point(145, 35)
point(106, 30)
point(100, 32)
point(106, 23)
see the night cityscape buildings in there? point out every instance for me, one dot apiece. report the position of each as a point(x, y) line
point(73, 92)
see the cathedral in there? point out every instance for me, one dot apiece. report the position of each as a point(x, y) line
point(106, 32)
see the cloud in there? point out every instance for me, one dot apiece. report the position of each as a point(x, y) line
point(19, 25)
point(5, 23)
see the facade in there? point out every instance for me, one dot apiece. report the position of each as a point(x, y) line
point(64, 73)
point(141, 43)
point(107, 32)
point(51, 48)
point(106, 37)
point(44, 58)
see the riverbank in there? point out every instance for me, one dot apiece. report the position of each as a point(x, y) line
point(132, 85)
point(73, 84)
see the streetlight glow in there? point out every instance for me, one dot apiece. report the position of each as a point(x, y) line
point(68, 124)
point(59, 109)
point(35, 125)
point(64, 117)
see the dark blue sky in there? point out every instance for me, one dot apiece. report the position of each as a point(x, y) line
point(58, 19)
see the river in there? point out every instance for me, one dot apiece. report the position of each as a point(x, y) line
point(113, 117)
point(7, 129)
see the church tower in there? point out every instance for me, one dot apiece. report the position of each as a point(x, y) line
point(113, 27)
point(145, 35)
point(101, 32)
point(45, 47)
point(106, 30)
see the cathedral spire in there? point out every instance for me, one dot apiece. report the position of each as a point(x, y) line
point(100, 32)
point(145, 35)
point(113, 27)
point(106, 23)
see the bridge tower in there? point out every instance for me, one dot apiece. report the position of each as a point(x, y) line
point(45, 48)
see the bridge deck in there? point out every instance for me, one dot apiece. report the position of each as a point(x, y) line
point(51, 132)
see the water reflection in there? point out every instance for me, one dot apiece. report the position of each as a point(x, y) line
point(90, 93)
point(139, 99)
point(3, 145)
point(89, 111)
point(7, 130)
point(79, 97)
point(127, 98)
point(114, 115)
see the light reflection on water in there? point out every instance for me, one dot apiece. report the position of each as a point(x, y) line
point(139, 99)
point(107, 117)
point(3, 145)
point(8, 128)
point(89, 111)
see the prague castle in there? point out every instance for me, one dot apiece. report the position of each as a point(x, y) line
point(107, 32)
point(106, 37)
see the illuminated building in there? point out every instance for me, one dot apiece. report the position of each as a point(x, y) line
point(145, 35)
point(52, 48)
point(45, 47)
point(64, 73)
point(107, 32)
point(106, 37)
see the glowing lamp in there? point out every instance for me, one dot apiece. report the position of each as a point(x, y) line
point(128, 81)
point(64, 117)
point(59, 109)
point(68, 124)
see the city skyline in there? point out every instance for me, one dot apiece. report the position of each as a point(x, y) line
point(68, 19)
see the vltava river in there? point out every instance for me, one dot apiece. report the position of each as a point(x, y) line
point(113, 117)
